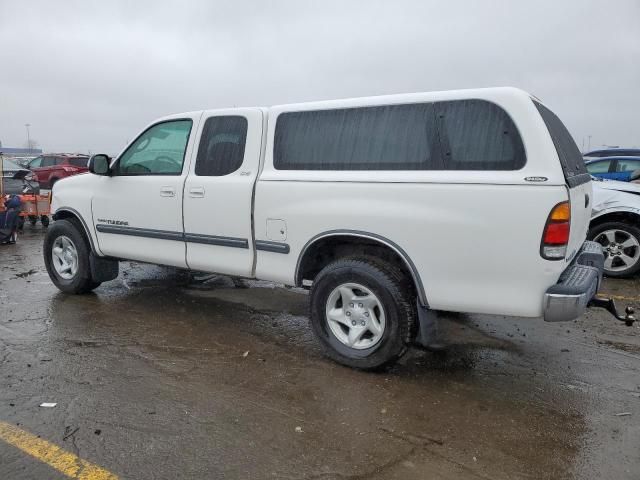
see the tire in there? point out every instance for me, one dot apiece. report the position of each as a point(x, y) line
point(44, 220)
point(75, 280)
point(613, 236)
point(33, 219)
point(396, 312)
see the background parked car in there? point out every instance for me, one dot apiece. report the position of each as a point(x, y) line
point(615, 224)
point(23, 161)
point(613, 152)
point(15, 186)
point(51, 167)
point(614, 168)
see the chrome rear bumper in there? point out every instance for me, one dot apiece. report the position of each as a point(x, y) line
point(577, 286)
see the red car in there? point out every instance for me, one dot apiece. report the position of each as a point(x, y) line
point(51, 167)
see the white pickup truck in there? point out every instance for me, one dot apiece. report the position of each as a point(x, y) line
point(385, 207)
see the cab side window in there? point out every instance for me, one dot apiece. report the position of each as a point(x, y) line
point(222, 143)
point(159, 150)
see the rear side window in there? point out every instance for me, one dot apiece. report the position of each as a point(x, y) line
point(222, 144)
point(456, 135)
point(627, 165)
point(390, 137)
point(48, 161)
point(478, 135)
point(575, 171)
point(79, 161)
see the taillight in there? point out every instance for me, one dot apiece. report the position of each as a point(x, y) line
point(69, 169)
point(555, 237)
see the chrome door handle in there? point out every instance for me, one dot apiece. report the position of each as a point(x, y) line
point(167, 192)
point(196, 192)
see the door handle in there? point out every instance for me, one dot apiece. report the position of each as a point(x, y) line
point(167, 192)
point(196, 192)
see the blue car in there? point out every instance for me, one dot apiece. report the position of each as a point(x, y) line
point(613, 168)
point(613, 152)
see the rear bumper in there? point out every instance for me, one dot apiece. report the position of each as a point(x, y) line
point(577, 285)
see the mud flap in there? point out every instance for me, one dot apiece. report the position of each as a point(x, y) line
point(428, 336)
point(103, 269)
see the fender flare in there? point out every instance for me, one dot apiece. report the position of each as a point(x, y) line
point(608, 211)
point(415, 276)
point(76, 214)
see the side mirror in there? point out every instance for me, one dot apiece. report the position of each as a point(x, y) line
point(635, 175)
point(99, 164)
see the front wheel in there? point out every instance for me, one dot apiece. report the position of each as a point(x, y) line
point(621, 247)
point(66, 256)
point(362, 312)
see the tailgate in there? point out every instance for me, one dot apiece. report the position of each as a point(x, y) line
point(580, 197)
point(576, 175)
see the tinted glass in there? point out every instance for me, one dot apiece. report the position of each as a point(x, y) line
point(568, 152)
point(79, 161)
point(35, 163)
point(599, 167)
point(158, 151)
point(627, 165)
point(391, 137)
point(48, 161)
point(222, 143)
point(478, 135)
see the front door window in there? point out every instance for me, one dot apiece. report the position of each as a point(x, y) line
point(158, 151)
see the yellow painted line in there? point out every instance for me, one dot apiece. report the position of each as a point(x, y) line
point(65, 462)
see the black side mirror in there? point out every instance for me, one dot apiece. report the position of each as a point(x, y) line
point(99, 164)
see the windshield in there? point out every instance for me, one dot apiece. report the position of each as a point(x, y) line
point(10, 165)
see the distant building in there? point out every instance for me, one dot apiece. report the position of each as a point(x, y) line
point(19, 152)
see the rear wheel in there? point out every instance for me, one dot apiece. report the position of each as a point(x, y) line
point(66, 256)
point(621, 247)
point(362, 312)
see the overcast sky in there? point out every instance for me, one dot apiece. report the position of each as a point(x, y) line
point(88, 75)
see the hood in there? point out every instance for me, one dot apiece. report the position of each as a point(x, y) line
point(611, 196)
point(627, 187)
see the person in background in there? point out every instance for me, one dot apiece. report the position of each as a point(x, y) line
point(9, 219)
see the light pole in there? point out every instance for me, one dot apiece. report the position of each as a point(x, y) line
point(28, 137)
point(589, 146)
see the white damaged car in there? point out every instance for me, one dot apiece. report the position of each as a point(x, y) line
point(615, 224)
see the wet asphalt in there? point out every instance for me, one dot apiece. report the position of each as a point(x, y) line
point(162, 374)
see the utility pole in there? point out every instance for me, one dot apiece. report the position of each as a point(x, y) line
point(28, 137)
point(589, 145)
